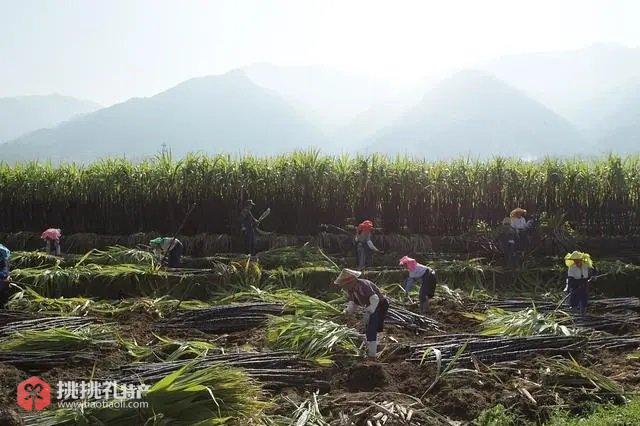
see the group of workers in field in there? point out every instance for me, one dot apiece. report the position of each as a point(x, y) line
point(361, 293)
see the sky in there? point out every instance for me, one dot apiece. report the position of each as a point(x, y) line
point(108, 51)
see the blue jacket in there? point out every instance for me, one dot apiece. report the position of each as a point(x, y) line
point(4, 269)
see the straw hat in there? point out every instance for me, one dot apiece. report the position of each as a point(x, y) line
point(409, 262)
point(346, 276)
point(518, 212)
point(570, 258)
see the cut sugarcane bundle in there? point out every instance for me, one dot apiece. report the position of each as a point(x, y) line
point(223, 319)
point(274, 369)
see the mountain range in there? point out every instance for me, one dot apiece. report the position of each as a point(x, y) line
point(23, 114)
point(224, 113)
point(475, 114)
point(565, 103)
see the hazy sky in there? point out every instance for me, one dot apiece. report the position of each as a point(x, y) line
point(111, 50)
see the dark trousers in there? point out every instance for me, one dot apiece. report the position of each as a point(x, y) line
point(175, 255)
point(4, 294)
point(250, 241)
point(509, 250)
point(578, 295)
point(376, 321)
point(363, 253)
point(53, 247)
point(428, 286)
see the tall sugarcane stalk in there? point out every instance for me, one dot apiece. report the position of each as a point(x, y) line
point(116, 196)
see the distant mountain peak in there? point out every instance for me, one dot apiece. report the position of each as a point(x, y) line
point(219, 113)
point(473, 112)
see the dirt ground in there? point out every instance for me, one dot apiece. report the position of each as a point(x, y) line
point(460, 396)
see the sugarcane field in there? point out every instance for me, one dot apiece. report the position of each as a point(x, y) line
point(319, 213)
point(330, 305)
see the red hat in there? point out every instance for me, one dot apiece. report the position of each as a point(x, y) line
point(367, 225)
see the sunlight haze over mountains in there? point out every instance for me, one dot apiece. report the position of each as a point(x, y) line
point(427, 79)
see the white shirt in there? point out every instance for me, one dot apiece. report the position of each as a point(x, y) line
point(518, 223)
point(418, 271)
point(578, 273)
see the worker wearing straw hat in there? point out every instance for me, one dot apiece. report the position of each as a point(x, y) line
point(579, 274)
point(364, 245)
point(52, 237)
point(170, 248)
point(365, 294)
point(518, 220)
point(5, 254)
point(423, 273)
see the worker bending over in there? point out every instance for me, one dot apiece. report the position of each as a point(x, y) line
point(170, 249)
point(364, 245)
point(4, 276)
point(52, 237)
point(426, 275)
point(365, 294)
point(579, 275)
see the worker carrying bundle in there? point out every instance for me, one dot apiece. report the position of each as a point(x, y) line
point(170, 248)
point(5, 254)
point(580, 273)
point(364, 245)
point(365, 294)
point(52, 237)
point(428, 279)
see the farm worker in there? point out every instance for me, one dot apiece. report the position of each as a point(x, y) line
point(364, 245)
point(507, 240)
point(423, 273)
point(521, 226)
point(518, 220)
point(367, 295)
point(52, 237)
point(579, 274)
point(4, 275)
point(248, 225)
point(169, 248)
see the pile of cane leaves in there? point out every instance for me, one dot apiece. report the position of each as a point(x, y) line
point(214, 395)
point(293, 301)
point(526, 322)
point(29, 300)
point(313, 338)
point(167, 349)
point(60, 338)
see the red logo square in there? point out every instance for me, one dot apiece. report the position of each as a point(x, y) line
point(34, 394)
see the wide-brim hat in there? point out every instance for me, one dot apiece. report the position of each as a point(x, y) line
point(347, 275)
point(517, 212)
point(570, 258)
